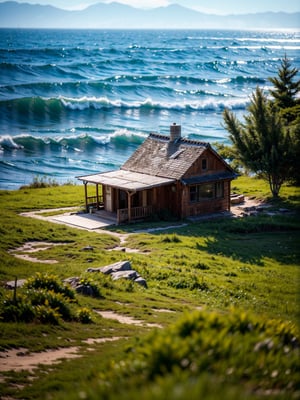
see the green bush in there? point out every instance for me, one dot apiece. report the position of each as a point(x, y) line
point(84, 316)
point(44, 299)
point(18, 309)
point(255, 353)
point(49, 282)
point(41, 182)
point(53, 300)
point(47, 315)
point(41, 305)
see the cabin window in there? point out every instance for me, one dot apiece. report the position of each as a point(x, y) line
point(204, 164)
point(206, 191)
point(219, 190)
point(193, 194)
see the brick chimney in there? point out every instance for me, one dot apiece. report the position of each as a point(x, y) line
point(175, 132)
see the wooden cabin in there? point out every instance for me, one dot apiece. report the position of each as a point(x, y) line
point(166, 174)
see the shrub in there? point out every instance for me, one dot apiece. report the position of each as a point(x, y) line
point(44, 300)
point(84, 316)
point(53, 300)
point(49, 282)
point(47, 315)
point(41, 182)
point(17, 309)
point(255, 353)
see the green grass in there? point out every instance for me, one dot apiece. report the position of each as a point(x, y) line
point(243, 274)
point(259, 189)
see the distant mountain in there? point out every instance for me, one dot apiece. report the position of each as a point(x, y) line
point(115, 15)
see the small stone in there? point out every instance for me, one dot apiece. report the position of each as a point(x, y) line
point(85, 289)
point(141, 281)
point(73, 281)
point(88, 248)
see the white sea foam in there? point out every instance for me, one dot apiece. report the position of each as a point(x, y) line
point(204, 104)
point(7, 141)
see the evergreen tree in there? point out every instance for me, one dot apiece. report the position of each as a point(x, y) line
point(261, 142)
point(285, 87)
point(286, 102)
point(268, 142)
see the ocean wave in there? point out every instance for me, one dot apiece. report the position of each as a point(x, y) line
point(103, 102)
point(28, 168)
point(129, 82)
point(41, 107)
point(8, 142)
point(72, 143)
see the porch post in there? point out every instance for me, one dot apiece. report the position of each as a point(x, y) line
point(85, 195)
point(129, 194)
point(97, 196)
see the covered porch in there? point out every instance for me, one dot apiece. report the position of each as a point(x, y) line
point(129, 195)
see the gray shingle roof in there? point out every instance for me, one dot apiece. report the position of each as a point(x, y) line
point(126, 180)
point(159, 157)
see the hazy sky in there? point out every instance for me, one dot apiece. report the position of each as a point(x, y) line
point(211, 6)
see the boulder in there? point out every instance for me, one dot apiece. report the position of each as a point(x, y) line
point(109, 269)
point(132, 275)
point(86, 290)
point(121, 270)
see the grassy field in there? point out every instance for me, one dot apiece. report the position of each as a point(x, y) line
point(224, 295)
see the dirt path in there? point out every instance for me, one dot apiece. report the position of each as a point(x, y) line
point(20, 359)
point(34, 247)
point(238, 210)
point(124, 319)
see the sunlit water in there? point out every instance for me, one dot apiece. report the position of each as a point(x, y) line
point(79, 102)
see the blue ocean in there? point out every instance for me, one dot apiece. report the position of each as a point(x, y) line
point(75, 102)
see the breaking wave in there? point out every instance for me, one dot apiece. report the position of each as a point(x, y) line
point(73, 142)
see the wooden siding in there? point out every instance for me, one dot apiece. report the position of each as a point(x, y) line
point(213, 165)
point(165, 198)
point(205, 206)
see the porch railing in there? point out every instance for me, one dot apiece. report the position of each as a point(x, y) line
point(95, 201)
point(136, 213)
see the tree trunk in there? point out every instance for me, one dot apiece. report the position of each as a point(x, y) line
point(275, 185)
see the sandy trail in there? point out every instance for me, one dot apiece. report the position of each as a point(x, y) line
point(124, 319)
point(20, 359)
point(34, 247)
